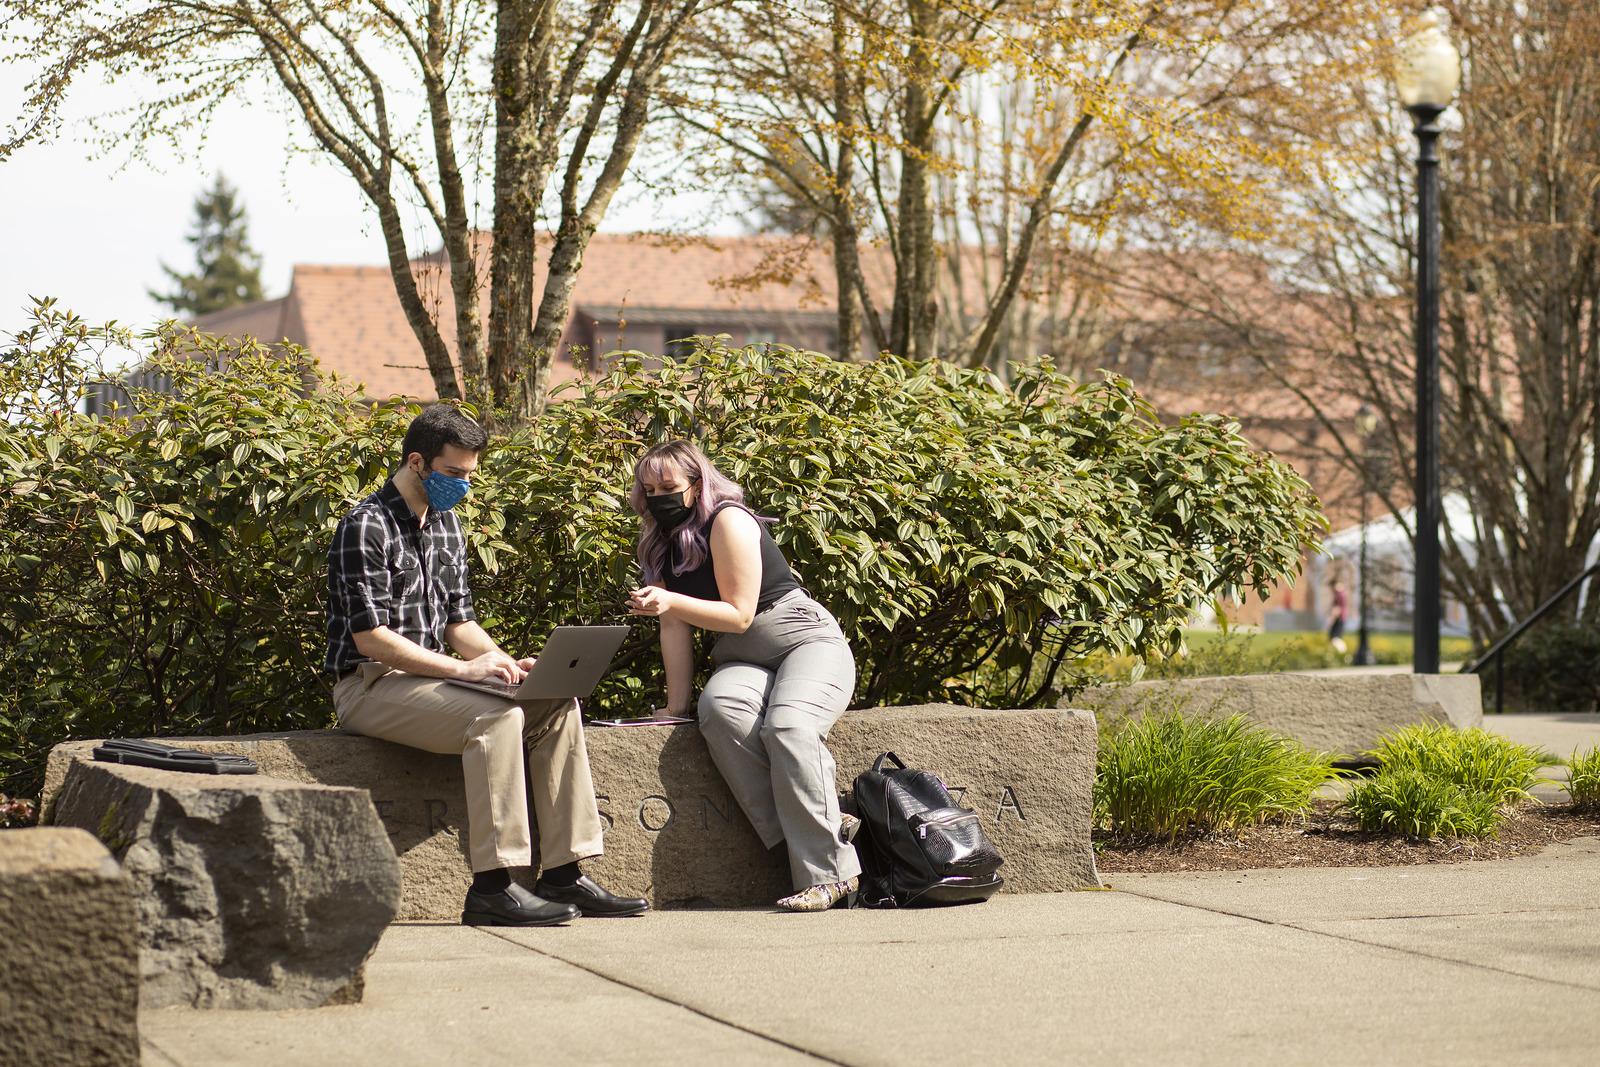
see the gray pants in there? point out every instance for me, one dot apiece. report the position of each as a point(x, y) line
point(765, 713)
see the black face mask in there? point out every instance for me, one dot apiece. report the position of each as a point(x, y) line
point(668, 510)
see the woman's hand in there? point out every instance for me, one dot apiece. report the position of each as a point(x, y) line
point(650, 600)
point(668, 713)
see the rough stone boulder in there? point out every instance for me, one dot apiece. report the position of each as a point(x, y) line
point(69, 956)
point(1339, 713)
point(673, 835)
point(249, 892)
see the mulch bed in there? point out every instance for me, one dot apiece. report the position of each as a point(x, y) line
point(1326, 839)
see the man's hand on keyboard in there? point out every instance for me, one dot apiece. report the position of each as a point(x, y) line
point(493, 667)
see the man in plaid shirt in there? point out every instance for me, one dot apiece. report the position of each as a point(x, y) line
point(398, 603)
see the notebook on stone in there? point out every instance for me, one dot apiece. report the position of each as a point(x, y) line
point(571, 664)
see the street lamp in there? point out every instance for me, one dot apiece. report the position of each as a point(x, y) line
point(1366, 423)
point(1427, 71)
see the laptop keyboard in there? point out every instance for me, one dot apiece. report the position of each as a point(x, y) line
point(505, 689)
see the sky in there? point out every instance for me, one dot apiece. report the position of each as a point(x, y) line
point(93, 230)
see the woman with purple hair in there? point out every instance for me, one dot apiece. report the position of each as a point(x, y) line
point(783, 670)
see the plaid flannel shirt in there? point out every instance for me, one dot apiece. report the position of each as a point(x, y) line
point(385, 569)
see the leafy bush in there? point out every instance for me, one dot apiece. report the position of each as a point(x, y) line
point(1553, 667)
point(1583, 778)
point(1476, 760)
point(1168, 774)
point(163, 572)
point(1414, 802)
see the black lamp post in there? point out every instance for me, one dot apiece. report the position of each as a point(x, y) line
point(1427, 71)
point(1366, 422)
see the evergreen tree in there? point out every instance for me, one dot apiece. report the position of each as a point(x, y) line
point(229, 270)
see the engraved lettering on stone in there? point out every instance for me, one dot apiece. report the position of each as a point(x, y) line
point(1008, 802)
point(437, 810)
point(383, 807)
point(958, 793)
point(707, 806)
point(605, 816)
point(656, 813)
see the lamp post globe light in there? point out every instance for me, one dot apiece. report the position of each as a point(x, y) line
point(1427, 71)
point(1366, 422)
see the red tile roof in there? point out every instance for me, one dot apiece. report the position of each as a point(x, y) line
point(350, 318)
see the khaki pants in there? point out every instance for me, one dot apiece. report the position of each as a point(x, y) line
point(499, 742)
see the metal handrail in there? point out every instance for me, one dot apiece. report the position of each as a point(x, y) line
point(1497, 650)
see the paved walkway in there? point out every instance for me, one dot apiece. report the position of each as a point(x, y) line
point(1482, 963)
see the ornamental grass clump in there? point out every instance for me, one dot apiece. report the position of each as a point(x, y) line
point(1169, 775)
point(1583, 778)
point(1476, 760)
point(1419, 805)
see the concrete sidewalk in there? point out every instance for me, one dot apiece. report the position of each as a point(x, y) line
point(1493, 962)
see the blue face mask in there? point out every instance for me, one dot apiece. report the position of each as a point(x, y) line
point(445, 492)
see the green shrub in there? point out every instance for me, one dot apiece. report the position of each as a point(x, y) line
point(1583, 778)
point(163, 573)
point(1553, 667)
point(1167, 774)
point(1417, 804)
point(1476, 760)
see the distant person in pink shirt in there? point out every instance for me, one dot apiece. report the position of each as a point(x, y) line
point(1336, 619)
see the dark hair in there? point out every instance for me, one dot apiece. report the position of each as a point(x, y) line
point(440, 425)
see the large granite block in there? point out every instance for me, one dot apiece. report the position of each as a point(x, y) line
point(673, 833)
point(1339, 713)
point(249, 892)
point(69, 955)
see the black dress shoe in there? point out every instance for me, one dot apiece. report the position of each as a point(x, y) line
point(515, 907)
point(590, 899)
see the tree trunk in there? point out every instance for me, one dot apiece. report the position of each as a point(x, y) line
point(641, 54)
point(916, 309)
point(457, 227)
point(846, 246)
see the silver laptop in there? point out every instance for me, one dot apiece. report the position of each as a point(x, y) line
point(571, 664)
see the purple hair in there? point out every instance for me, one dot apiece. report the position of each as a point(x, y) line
point(713, 487)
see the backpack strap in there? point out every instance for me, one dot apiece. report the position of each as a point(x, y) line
point(877, 765)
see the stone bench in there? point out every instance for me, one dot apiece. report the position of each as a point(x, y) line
point(69, 956)
point(248, 891)
point(674, 835)
point(1339, 713)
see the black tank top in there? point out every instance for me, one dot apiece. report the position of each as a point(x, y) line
point(776, 577)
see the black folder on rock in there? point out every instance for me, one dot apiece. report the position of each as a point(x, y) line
point(171, 757)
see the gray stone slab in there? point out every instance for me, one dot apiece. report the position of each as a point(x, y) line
point(673, 833)
point(249, 892)
point(454, 995)
point(1555, 946)
point(1561, 878)
point(1088, 977)
point(1344, 714)
point(69, 954)
point(1080, 977)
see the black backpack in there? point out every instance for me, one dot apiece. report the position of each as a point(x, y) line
point(916, 846)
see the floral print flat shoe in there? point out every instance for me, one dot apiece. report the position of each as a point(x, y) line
point(821, 897)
